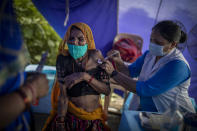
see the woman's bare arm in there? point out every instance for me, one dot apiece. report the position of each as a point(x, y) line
point(125, 81)
point(12, 105)
point(100, 87)
point(121, 67)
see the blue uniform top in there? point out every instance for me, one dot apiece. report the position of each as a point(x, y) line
point(169, 76)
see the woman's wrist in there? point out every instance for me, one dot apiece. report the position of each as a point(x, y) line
point(60, 118)
point(29, 94)
point(87, 77)
point(30, 87)
point(26, 95)
point(90, 80)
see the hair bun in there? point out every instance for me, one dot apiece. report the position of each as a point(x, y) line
point(183, 37)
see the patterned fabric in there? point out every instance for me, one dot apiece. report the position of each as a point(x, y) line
point(78, 119)
point(73, 123)
point(129, 51)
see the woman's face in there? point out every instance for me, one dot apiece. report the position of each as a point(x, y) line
point(76, 38)
point(160, 40)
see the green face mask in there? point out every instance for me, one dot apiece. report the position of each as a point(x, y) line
point(77, 51)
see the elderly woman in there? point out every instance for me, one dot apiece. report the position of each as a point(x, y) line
point(80, 81)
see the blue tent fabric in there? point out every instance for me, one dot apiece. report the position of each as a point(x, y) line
point(100, 15)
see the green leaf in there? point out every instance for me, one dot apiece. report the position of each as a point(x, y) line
point(38, 35)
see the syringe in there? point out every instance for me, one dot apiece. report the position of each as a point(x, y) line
point(99, 61)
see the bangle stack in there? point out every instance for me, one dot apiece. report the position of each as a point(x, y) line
point(25, 98)
point(34, 100)
point(60, 123)
point(92, 77)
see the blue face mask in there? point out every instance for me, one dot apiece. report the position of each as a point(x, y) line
point(156, 50)
point(77, 51)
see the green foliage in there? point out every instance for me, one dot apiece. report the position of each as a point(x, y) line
point(38, 35)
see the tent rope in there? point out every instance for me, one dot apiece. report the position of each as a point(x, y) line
point(67, 13)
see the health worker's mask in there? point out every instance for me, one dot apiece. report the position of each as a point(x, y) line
point(156, 50)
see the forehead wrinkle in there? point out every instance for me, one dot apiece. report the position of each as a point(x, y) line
point(76, 33)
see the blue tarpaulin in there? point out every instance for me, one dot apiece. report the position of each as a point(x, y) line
point(100, 15)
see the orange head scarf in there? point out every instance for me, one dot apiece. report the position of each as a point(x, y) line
point(87, 32)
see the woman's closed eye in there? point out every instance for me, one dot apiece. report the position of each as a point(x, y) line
point(81, 39)
point(71, 39)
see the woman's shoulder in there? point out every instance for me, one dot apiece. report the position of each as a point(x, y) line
point(95, 52)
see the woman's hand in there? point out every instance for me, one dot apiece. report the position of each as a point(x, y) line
point(108, 67)
point(38, 82)
point(75, 78)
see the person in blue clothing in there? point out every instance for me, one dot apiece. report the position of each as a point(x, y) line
point(163, 73)
point(18, 89)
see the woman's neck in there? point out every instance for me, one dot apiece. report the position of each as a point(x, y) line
point(79, 60)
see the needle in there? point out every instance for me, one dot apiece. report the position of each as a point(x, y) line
point(99, 61)
point(107, 57)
